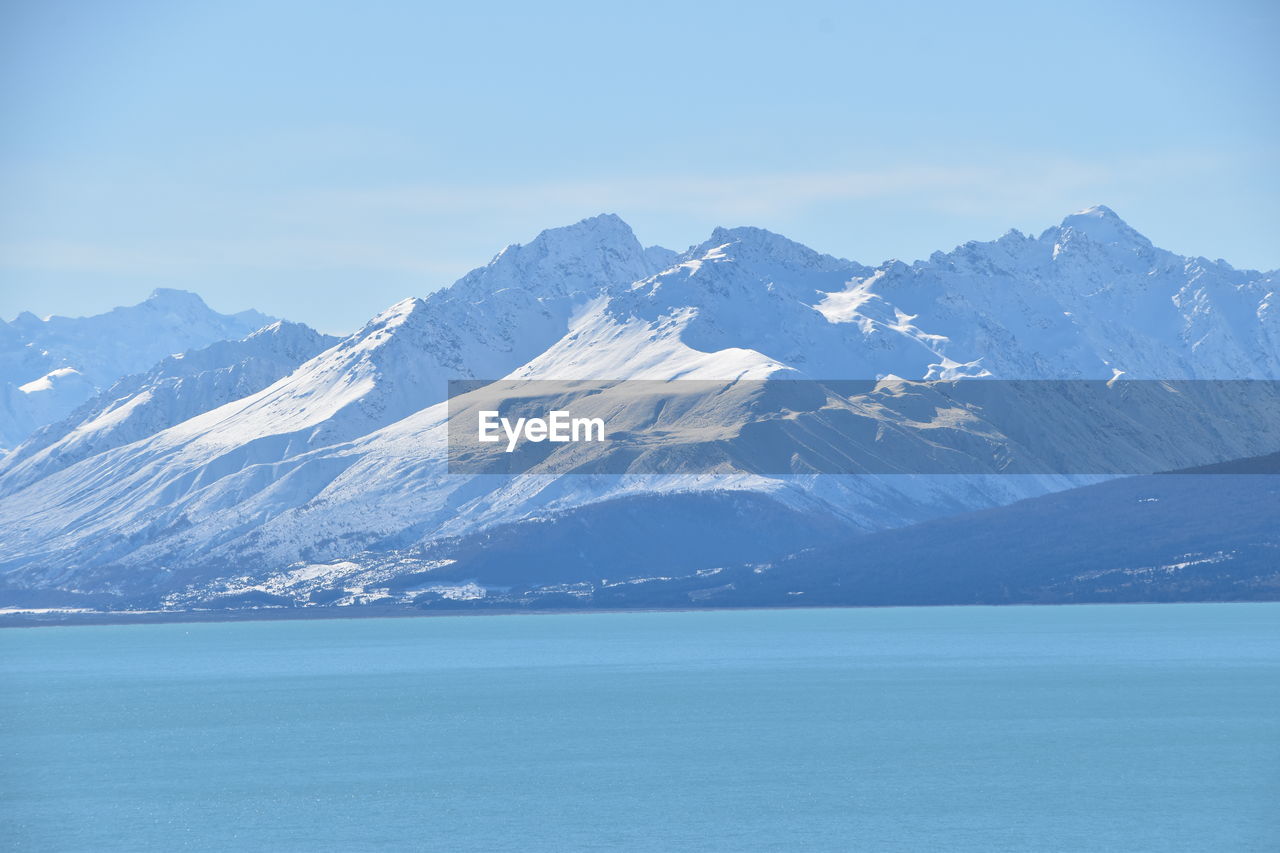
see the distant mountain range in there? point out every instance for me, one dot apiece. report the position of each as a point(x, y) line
point(179, 387)
point(285, 468)
point(49, 367)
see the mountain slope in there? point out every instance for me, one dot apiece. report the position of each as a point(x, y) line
point(343, 460)
point(100, 349)
point(1150, 538)
point(1145, 538)
point(178, 388)
point(1088, 298)
point(235, 467)
point(24, 408)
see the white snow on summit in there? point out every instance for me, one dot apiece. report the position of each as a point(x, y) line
point(100, 349)
point(177, 388)
point(341, 461)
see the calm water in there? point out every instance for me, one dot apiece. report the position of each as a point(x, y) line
point(1082, 728)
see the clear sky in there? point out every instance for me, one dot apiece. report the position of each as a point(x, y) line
point(321, 161)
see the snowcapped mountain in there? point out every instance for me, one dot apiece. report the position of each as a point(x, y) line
point(49, 367)
point(1083, 300)
point(177, 388)
point(1086, 299)
point(334, 475)
point(25, 407)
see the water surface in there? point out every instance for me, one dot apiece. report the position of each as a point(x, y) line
point(1055, 728)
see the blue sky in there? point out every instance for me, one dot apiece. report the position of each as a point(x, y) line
point(321, 161)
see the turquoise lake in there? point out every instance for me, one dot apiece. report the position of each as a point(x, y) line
point(1083, 728)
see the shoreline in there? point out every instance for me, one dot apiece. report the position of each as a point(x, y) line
point(52, 618)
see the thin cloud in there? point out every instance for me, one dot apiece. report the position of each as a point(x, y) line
point(1008, 189)
point(410, 229)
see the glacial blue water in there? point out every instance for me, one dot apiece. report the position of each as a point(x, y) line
point(1123, 728)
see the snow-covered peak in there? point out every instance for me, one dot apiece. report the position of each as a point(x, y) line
point(397, 315)
point(343, 456)
point(40, 401)
point(579, 258)
point(169, 297)
point(280, 328)
point(105, 347)
point(296, 341)
point(58, 381)
point(758, 247)
point(603, 228)
point(1101, 224)
point(1087, 298)
point(185, 306)
point(176, 388)
point(745, 300)
point(52, 379)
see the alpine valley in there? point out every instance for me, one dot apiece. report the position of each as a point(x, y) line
point(270, 466)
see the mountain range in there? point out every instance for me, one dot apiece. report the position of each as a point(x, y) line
point(50, 366)
point(272, 465)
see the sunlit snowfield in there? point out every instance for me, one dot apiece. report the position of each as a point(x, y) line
point(1057, 728)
